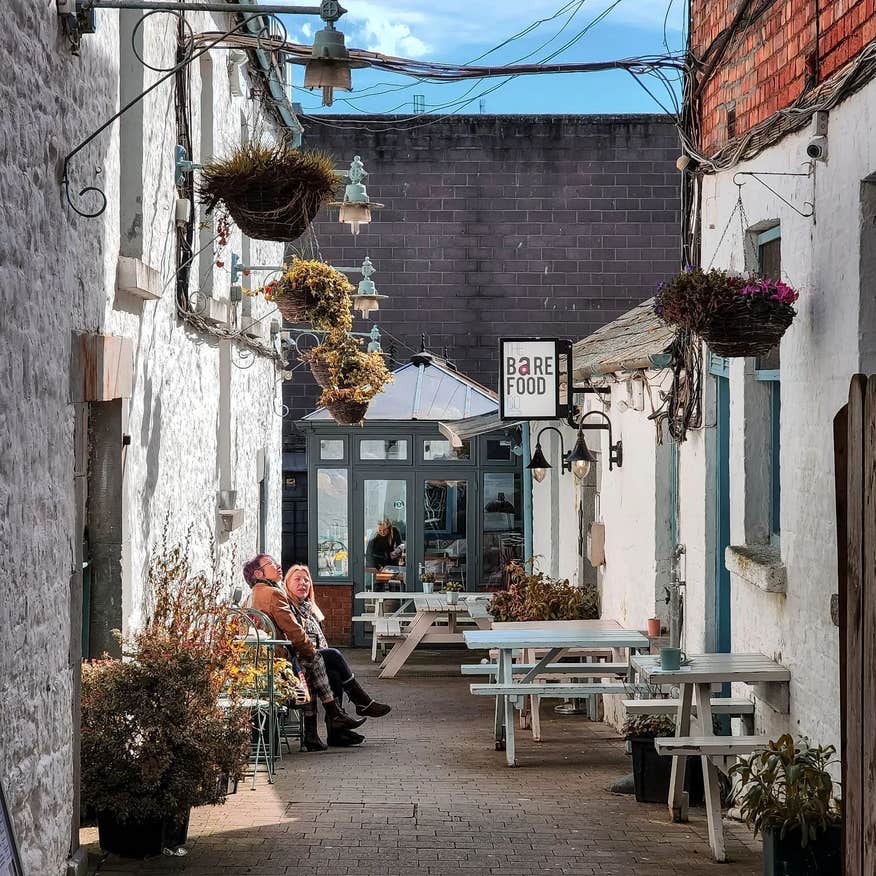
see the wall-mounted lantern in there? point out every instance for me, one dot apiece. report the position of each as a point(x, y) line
point(579, 459)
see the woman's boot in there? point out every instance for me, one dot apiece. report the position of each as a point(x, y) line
point(337, 738)
point(365, 705)
point(310, 740)
point(338, 719)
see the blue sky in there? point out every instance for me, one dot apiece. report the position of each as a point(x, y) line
point(458, 31)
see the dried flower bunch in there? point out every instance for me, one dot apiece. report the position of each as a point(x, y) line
point(271, 192)
point(787, 789)
point(532, 595)
point(648, 726)
point(453, 587)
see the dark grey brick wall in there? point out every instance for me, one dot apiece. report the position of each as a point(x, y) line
point(504, 225)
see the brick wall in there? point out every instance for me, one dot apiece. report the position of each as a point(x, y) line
point(503, 225)
point(774, 57)
point(336, 602)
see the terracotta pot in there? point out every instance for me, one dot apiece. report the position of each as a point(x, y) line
point(653, 627)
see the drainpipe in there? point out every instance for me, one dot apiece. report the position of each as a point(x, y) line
point(527, 494)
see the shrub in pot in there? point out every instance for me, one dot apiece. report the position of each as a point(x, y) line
point(154, 741)
point(531, 595)
point(786, 794)
point(652, 771)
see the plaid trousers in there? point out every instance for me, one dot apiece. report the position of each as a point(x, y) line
point(318, 681)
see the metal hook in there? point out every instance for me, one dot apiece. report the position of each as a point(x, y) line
point(756, 175)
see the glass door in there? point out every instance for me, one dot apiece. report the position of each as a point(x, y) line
point(382, 523)
point(446, 543)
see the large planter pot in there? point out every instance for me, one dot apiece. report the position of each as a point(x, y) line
point(822, 856)
point(652, 772)
point(137, 838)
point(748, 326)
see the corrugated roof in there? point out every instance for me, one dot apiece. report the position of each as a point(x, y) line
point(626, 344)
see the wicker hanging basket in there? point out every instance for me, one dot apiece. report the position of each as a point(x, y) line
point(747, 326)
point(272, 193)
point(347, 412)
point(320, 370)
point(293, 304)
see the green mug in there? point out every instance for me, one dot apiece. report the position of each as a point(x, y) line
point(672, 658)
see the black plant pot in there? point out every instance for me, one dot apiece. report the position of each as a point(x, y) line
point(822, 856)
point(136, 838)
point(652, 773)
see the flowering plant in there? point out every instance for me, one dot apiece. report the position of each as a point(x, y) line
point(251, 680)
point(648, 727)
point(532, 595)
point(323, 291)
point(774, 290)
point(355, 375)
point(691, 298)
point(453, 587)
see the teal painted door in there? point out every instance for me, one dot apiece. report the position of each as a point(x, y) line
point(722, 510)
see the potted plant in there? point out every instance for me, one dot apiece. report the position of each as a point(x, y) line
point(532, 595)
point(355, 376)
point(652, 771)
point(271, 192)
point(452, 589)
point(427, 580)
point(736, 316)
point(312, 291)
point(786, 793)
point(154, 741)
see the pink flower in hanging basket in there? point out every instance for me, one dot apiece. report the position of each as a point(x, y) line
point(775, 290)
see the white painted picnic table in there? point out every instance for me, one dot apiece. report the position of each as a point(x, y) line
point(436, 622)
point(554, 638)
point(695, 681)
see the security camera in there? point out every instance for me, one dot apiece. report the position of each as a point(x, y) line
point(816, 148)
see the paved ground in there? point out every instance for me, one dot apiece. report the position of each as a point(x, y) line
point(428, 794)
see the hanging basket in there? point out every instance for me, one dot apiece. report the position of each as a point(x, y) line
point(347, 412)
point(747, 326)
point(293, 304)
point(320, 370)
point(272, 193)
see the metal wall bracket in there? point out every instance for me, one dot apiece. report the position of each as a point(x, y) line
point(183, 166)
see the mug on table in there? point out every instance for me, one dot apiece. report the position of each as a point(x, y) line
point(672, 658)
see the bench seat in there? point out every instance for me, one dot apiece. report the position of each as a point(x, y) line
point(596, 670)
point(388, 629)
point(543, 689)
point(710, 746)
point(720, 706)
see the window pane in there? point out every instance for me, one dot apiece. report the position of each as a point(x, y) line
point(332, 535)
point(435, 449)
point(498, 449)
point(445, 544)
point(390, 448)
point(385, 515)
point(331, 449)
point(503, 525)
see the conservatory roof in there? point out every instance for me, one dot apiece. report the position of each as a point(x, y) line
point(426, 388)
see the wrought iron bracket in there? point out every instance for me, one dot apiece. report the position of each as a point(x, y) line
point(756, 176)
point(615, 449)
point(182, 164)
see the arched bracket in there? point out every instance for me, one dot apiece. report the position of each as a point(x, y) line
point(756, 175)
point(72, 11)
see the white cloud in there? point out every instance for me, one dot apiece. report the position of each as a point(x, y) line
point(306, 31)
point(387, 30)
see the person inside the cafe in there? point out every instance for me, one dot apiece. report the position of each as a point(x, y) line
point(299, 589)
point(265, 577)
point(385, 548)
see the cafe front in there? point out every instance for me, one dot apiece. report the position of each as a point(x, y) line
point(416, 497)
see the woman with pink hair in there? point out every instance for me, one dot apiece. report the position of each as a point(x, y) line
point(299, 589)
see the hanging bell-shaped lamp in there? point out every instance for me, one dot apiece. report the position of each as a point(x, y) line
point(366, 300)
point(330, 64)
point(580, 458)
point(538, 464)
point(356, 208)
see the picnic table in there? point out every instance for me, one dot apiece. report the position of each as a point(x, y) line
point(695, 681)
point(553, 639)
point(435, 622)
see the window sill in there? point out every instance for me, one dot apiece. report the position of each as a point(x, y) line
point(760, 565)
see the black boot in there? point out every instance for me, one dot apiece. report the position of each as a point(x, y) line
point(310, 740)
point(365, 705)
point(338, 719)
point(341, 738)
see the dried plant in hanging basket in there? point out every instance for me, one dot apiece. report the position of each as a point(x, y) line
point(345, 405)
point(735, 316)
point(312, 291)
point(271, 192)
point(749, 325)
point(337, 346)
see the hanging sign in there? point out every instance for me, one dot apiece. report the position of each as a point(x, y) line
point(10, 863)
point(529, 378)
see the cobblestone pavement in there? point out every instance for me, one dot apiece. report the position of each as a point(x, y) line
point(427, 793)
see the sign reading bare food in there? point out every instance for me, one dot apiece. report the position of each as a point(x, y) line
point(530, 379)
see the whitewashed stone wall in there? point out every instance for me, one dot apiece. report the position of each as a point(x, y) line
point(59, 280)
